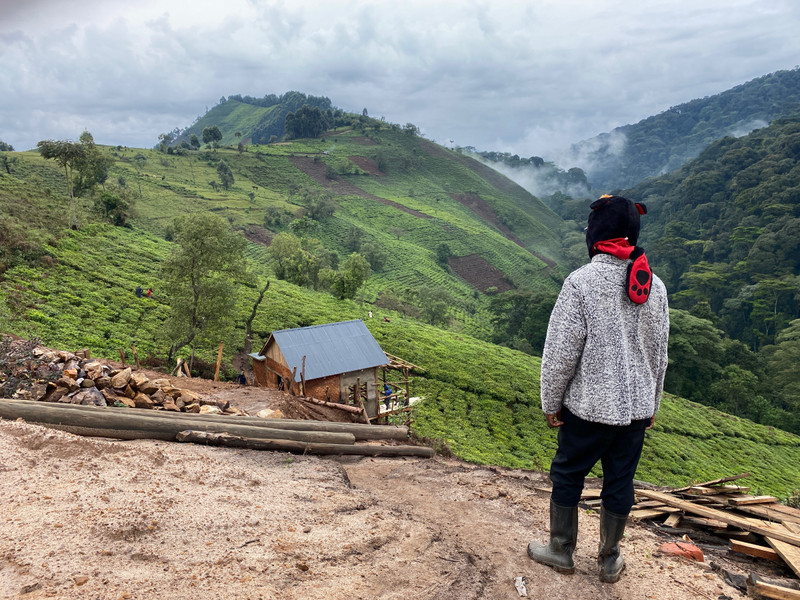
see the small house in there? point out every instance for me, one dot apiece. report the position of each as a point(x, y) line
point(327, 362)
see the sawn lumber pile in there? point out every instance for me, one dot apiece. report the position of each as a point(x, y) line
point(759, 526)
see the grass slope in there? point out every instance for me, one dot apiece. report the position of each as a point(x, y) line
point(481, 400)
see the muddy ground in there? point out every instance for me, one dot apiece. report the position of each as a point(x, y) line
point(107, 519)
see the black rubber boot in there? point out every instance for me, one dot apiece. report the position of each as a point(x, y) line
point(563, 536)
point(612, 527)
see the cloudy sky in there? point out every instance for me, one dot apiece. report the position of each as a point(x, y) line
point(525, 76)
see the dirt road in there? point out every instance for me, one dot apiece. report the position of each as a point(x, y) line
point(96, 518)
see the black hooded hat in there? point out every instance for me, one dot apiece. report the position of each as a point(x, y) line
point(614, 229)
point(613, 217)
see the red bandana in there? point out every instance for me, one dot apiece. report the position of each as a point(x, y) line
point(639, 274)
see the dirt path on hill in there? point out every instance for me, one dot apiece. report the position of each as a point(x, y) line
point(97, 518)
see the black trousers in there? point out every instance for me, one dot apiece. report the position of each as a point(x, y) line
point(581, 444)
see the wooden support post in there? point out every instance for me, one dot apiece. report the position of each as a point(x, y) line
point(303, 378)
point(186, 370)
point(122, 356)
point(291, 383)
point(219, 361)
point(135, 357)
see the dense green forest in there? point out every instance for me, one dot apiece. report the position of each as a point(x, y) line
point(663, 142)
point(459, 265)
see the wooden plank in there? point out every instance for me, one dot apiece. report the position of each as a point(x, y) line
point(704, 522)
point(755, 550)
point(725, 517)
point(674, 519)
point(732, 489)
point(775, 591)
point(789, 553)
point(652, 513)
point(712, 482)
point(770, 512)
point(793, 527)
point(699, 490)
point(752, 500)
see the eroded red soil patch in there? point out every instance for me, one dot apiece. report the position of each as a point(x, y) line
point(367, 164)
point(478, 273)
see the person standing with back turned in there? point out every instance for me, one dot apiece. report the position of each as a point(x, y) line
point(603, 367)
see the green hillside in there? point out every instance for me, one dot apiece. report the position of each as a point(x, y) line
point(662, 143)
point(74, 288)
point(256, 119)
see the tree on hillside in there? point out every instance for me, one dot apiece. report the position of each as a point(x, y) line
point(353, 273)
point(307, 122)
point(6, 147)
point(66, 154)
point(212, 135)
point(434, 304)
point(116, 206)
point(92, 166)
point(300, 260)
point(194, 142)
point(225, 174)
point(520, 318)
point(199, 276)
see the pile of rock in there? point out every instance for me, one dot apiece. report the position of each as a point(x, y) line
point(87, 381)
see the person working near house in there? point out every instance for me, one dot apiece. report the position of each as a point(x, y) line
point(603, 367)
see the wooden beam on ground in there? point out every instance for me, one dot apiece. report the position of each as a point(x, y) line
point(163, 426)
point(713, 482)
point(752, 500)
point(726, 517)
point(674, 519)
point(359, 430)
point(652, 513)
point(772, 512)
point(755, 550)
point(776, 592)
point(345, 407)
point(788, 552)
point(301, 447)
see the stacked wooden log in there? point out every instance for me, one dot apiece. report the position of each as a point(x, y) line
point(84, 381)
point(312, 437)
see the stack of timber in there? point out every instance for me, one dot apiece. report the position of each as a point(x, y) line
point(755, 525)
point(301, 436)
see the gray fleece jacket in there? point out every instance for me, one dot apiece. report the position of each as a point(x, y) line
point(605, 357)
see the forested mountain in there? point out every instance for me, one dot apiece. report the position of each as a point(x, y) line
point(256, 120)
point(724, 234)
point(663, 142)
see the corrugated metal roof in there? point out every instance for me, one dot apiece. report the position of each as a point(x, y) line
point(329, 349)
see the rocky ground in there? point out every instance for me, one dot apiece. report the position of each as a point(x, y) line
point(106, 519)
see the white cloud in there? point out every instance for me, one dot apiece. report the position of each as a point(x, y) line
point(526, 77)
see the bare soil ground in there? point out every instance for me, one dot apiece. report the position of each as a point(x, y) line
point(98, 518)
point(480, 274)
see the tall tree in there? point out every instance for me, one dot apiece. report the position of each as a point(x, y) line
point(212, 135)
point(199, 276)
point(67, 154)
point(225, 174)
